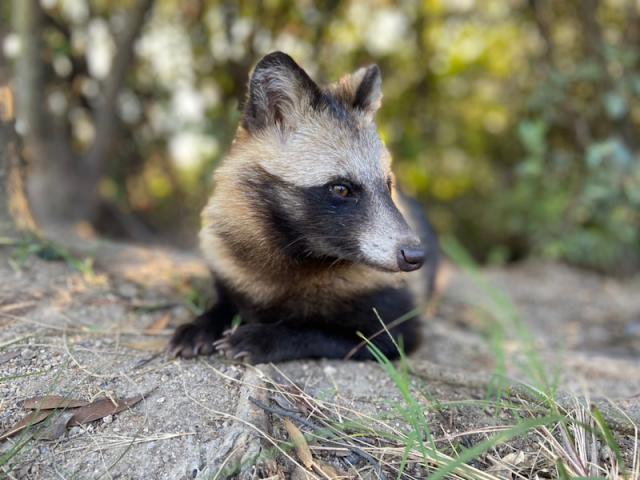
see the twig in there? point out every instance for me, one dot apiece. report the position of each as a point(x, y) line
point(141, 363)
point(281, 412)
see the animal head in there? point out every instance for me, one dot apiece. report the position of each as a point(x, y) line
point(309, 166)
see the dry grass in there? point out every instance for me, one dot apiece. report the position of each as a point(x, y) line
point(570, 444)
point(540, 434)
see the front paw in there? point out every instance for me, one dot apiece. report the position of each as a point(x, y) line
point(246, 343)
point(191, 340)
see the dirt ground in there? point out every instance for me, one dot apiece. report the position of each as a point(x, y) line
point(101, 334)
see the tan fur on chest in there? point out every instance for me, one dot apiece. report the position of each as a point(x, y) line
point(268, 284)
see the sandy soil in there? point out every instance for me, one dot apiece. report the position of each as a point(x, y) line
point(86, 336)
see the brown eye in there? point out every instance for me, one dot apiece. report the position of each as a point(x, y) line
point(341, 190)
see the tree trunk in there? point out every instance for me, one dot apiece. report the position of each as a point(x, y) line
point(52, 178)
point(105, 118)
point(7, 225)
point(62, 185)
point(29, 69)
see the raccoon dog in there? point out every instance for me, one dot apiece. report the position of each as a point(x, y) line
point(304, 232)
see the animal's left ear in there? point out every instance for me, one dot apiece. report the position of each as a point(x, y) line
point(362, 90)
point(279, 90)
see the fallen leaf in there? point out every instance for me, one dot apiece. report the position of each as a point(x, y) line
point(56, 428)
point(513, 458)
point(300, 443)
point(31, 419)
point(101, 408)
point(49, 402)
point(509, 463)
point(159, 325)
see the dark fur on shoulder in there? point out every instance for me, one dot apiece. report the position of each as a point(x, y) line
point(309, 240)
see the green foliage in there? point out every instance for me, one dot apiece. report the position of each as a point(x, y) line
point(48, 251)
point(515, 121)
point(195, 300)
point(528, 419)
point(576, 190)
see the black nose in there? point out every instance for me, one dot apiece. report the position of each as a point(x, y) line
point(410, 258)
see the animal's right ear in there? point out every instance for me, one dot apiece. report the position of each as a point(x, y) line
point(278, 90)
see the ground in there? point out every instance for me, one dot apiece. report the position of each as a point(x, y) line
point(100, 332)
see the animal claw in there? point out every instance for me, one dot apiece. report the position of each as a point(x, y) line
point(230, 331)
point(218, 344)
point(173, 351)
point(239, 355)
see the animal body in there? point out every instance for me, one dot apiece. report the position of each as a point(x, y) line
point(308, 237)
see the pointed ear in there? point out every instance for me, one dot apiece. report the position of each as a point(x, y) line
point(278, 90)
point(362, 90)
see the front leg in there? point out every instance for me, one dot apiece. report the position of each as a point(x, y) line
point(197, 337)
point(263, 343)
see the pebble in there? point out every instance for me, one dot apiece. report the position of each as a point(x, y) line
point(108, 419)
point(329, 370)
point(27, 354)
point(161, 400)
point(127, 290)
point(633, 328)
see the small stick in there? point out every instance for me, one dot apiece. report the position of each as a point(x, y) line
point(141, 363)
point(281, 412)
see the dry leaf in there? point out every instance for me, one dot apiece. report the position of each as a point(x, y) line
point(101, 408)
point(159, 325)
point(83, 412)
point(49, 402)
point(509, 463)
point(56, 428)
point(29, 420)
point(513, 458)
point(300, 443)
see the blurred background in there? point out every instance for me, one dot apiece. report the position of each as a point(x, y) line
point(514, 122)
